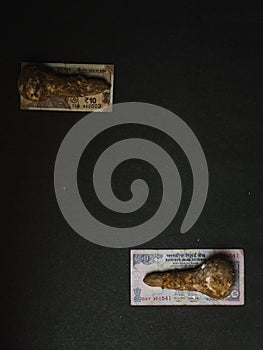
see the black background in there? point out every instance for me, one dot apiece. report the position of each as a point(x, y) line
point(63, 292)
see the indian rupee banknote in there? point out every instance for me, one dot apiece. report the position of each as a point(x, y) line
point(92, 102)
point(145, 261)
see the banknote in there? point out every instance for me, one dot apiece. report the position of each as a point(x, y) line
point(99, 102)
point(146, 261)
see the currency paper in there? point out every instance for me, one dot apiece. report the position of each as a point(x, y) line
point(91, 103)
point(146, 261)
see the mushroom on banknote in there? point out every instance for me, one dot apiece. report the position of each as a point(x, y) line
point(38, 82)
point(215, 278)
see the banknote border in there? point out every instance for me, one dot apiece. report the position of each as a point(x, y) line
point(242, 302)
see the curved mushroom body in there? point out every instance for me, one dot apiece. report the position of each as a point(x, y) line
point(39, 82)
point(215, 278)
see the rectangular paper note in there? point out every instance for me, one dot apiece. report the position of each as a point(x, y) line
point(146, 261)
point(91, 103)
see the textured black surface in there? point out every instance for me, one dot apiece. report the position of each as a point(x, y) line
point(63, 292)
